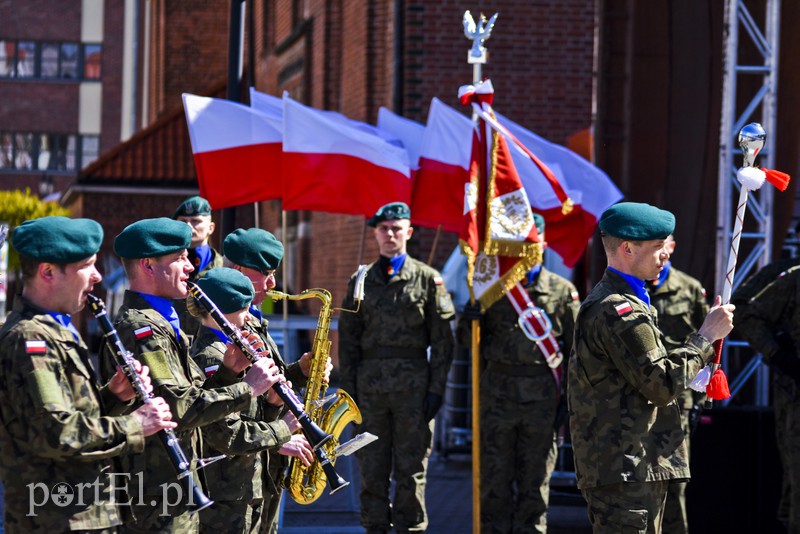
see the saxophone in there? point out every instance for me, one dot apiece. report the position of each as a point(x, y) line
point(333, 413)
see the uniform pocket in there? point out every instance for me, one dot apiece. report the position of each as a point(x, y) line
point(613, 518)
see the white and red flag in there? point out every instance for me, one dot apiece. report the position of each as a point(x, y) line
point(267, 104)
point(408, 132)
point(590, 190)
point(331, 164)
point(237, 151)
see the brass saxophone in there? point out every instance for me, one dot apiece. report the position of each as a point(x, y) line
point(306, 484)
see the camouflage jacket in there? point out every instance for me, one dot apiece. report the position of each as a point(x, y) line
point(216, 261)
point(55, 427)
point(682, 307)
point(412, 310)
point(624, 421)
point(240, 435)
point(502, 340)
point(758, 281)
point(194, 400)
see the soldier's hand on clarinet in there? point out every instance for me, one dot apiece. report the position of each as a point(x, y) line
point(299, 448)
point(719, 321)
point(154, 416)
point(274, 399)
point(120, 386)
point(292, 422)
point(235, 360)
point(262, 375)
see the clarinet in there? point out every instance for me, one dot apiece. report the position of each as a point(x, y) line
point(314, 434)
point(167, 436)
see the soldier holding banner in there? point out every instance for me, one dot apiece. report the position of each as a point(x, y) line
point(625, 425)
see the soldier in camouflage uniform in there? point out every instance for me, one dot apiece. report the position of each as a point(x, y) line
point(519, 401)
point(196, 212)
point(153, 252)
point(625, 424)
point(769, 323)
point(385, 366)
point(56, 428)
point(257, 254)
point(235, 483)
point(680, 301)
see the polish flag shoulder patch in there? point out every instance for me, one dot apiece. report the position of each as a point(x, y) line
point(143, 332)
point(623, 309)
point(210, 370)
point(438, 280)
point(35, 347)
point(574, 295)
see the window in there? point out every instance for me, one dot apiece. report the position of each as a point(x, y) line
point(50, 60)
point(28, 151)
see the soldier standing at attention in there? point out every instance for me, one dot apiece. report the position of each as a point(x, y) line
point(55, 423)
point(625, 424)
point(383, 358)
point(769, 323)
point(154, 255)
point(681, 304)
point(196, 212)
point(257, 253)
point(519, 402)
point(235, 484)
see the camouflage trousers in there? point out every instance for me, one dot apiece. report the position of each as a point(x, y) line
point(234, 517)
point(401, 452)
point(269, 514)
point(627, 508)
point(518, 455)
point(787, 434)
point(675, 519)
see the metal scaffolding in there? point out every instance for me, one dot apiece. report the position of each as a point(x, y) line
point(737, 110)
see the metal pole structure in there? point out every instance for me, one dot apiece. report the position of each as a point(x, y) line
point(234, 92)
point(758, 241)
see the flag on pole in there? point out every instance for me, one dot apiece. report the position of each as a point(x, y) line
point(237, 151)
point(589, 188)
point(444, 162)
point(498, 234)
point(331, 164)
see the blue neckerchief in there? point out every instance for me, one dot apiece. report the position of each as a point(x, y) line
point(164, 307)
point(203, 253)
point(222, 337)
point(395, 264)
point(65, 320)
point(533, 274)
point(637, 284)
point(662, 276)
point(255, 312)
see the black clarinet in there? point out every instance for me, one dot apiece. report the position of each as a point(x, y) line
point(314, 434)
point(167, 436)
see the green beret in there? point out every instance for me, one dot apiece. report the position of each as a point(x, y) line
point(538, 220)
point(390, 212)
point(193, 206)
point(151, 238)
point(58, 239)
point(254, 248)
point(634, 221)
point(229, 289)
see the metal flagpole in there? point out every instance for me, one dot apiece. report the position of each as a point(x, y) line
point(476, 56)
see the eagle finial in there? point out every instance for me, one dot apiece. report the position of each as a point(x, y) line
point(478, 33)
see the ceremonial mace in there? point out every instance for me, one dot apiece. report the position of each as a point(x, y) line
point(711, 380)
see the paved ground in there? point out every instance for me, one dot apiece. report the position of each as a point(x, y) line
point(449, 496)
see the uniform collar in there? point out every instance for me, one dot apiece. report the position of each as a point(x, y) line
point(164, 307)
point(636, 284)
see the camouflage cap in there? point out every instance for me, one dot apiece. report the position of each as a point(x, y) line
point(193, 206)
point(58, 239)
point(636, 221)
point(390, 212)
point(538, 220)
point(229, 289)
point(151, 238)
point(253, 248)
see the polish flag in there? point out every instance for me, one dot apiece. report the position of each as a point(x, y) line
point(237, 151)
point(267, 104)
point(333, 165)
point(407, 131)
point(589, 188)
point(444, 160)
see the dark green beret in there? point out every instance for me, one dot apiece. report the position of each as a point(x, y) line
point(390, 212)
point(58, 239)
point(635, 221)
point(193, 206)
point(151, 238)
point(538, 220)
point(229, 289)
point(254, 248)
